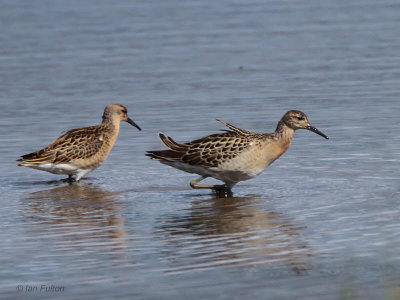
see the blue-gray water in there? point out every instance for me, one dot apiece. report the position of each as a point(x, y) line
point(323, 222)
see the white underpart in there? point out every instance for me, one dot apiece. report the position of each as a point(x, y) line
point(230, 172)
point(66, 169)
point(188, 168)
point(243, 167)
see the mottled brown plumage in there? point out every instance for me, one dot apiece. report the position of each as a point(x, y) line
point(81, 143)
point(209, 151)
point(80, 150)
point(234, 155)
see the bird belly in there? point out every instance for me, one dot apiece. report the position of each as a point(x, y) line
point(235, 171)
point(67, 169)
point(228, 175)
point(245, 166)
point(203, 171)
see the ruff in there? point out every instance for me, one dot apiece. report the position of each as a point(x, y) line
point(234, 155)
point(80, 151)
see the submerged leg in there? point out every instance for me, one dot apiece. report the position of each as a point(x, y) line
point(69, 179)
point(223, 191)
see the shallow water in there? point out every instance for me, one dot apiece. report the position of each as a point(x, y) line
point(321, 222)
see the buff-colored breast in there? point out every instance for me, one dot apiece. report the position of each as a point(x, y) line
point(253, 161)
point(109, 138)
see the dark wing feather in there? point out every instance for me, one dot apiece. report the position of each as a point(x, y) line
point(235, 129)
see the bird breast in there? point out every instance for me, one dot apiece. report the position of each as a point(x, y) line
point(258, 157)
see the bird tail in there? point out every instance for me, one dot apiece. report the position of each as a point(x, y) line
point(174, 153)
point(35, 158)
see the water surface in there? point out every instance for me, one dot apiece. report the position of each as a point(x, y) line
point(321, 223)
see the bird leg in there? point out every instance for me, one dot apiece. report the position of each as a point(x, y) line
point(81, 173)
point(69, 179)
point(222, 190)
point(194, 184)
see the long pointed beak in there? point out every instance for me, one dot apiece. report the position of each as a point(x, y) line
point(313, 129)
point(133, 123)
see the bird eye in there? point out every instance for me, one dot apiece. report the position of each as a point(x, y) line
point(300, 118)
point(124, 111)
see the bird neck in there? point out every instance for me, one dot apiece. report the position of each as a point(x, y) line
point(284, 132)
point(112, 127)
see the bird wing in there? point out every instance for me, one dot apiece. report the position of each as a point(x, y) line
point(208, 151)
point(78, 143)
point(215, 149)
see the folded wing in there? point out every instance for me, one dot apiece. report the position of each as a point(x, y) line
point(74, 144)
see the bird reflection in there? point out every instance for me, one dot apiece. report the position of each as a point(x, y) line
point(86, 216)
point(231, 231)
